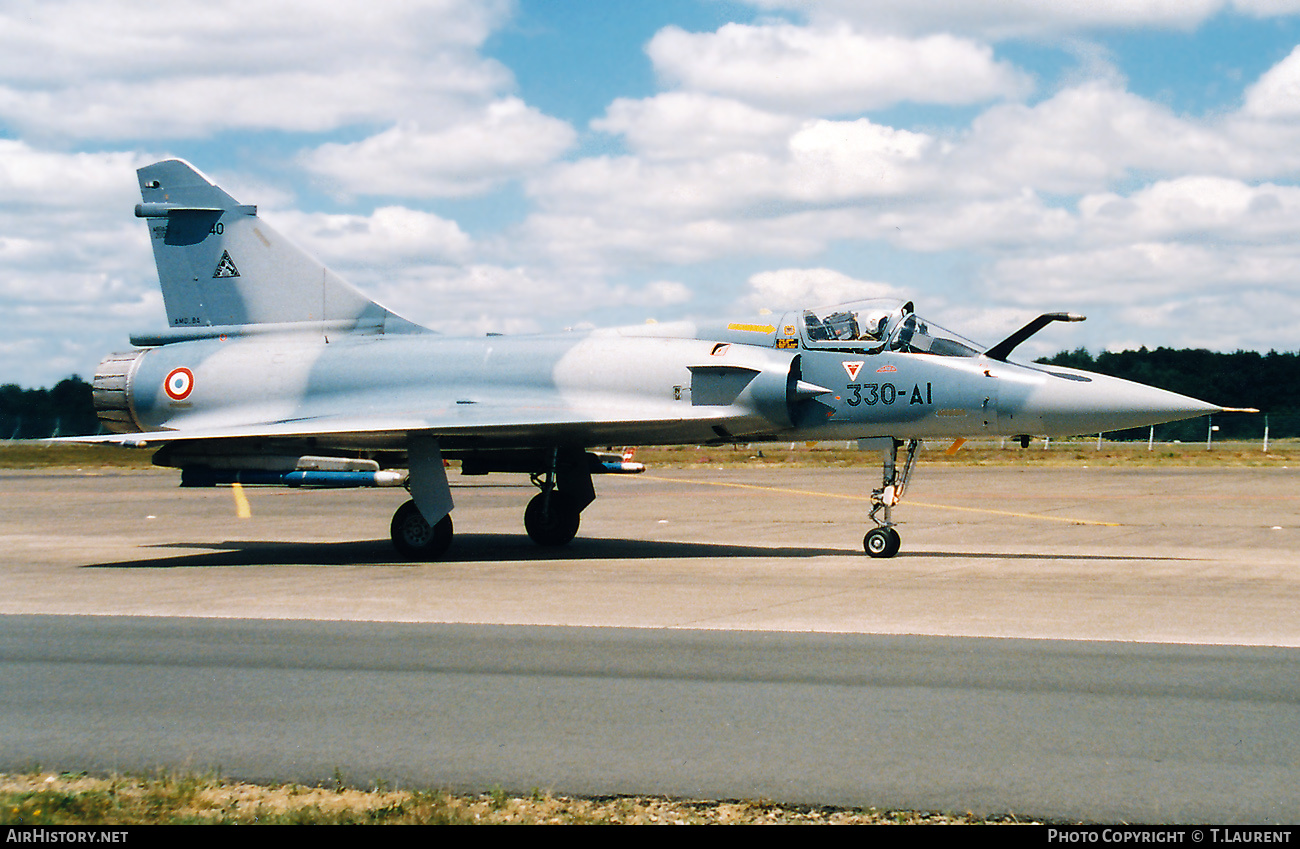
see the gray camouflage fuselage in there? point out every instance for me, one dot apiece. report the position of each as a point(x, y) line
point(606, 388)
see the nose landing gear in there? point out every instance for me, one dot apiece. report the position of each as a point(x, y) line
point(883, 540)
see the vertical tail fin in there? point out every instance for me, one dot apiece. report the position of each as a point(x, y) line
point(220, 266)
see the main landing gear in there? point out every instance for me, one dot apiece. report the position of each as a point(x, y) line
point(415, 538)
point(883, 540)
point(553, 515)
point(551, 518)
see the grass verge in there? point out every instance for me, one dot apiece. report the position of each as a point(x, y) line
point(41, 798)
point(1063, 453)
point(1059, 453)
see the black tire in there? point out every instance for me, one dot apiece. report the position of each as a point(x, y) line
point(882, 542)
point(554, 524)
point(416, 539)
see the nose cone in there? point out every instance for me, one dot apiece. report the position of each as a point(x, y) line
point(1069, 402)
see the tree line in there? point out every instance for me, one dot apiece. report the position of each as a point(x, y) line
point(1269, 382)
point(66, 410)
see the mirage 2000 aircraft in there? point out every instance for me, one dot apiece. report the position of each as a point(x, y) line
point(273, 370)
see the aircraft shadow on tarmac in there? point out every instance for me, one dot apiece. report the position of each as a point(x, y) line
point(475, 548)
point(469, 548)
point(1003, 555)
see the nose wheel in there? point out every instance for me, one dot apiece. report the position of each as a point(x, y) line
point(881, 542)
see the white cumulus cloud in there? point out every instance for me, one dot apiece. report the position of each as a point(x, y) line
point(808, 70)
point(506, 140)
point(1277, 93)
point(78, 69)
point(1020, 18)
point(691, 125)
point(796, 288)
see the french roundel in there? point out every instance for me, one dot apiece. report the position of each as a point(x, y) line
point(178, 384)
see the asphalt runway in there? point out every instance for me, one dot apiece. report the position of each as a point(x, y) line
point(1059, 729)
point(1153, 675)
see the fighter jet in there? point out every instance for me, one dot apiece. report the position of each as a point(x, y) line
point(273, 370)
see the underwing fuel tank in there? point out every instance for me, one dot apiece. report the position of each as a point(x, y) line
point(200, 476)
point(202, 466)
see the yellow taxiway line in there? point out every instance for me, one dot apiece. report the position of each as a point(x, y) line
point(867, 498)
point(242, 510)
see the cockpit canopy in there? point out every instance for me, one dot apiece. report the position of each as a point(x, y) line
point(877, 325)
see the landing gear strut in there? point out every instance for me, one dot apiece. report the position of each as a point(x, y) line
point(883, 540)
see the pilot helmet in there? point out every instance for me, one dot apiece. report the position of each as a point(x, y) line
point(872, 325)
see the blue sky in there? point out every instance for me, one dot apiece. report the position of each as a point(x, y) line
point(527, 166)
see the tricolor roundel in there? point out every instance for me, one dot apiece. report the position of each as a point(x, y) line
point(178, 384)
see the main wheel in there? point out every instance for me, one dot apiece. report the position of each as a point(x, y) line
point(416, 539)
point(882, 542)
point(552, 524)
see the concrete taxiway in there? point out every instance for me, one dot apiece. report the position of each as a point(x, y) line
point(740, 644)
point(1179, 555)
